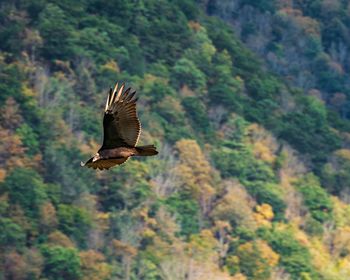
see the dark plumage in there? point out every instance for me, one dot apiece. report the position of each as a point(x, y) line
point(121, 129)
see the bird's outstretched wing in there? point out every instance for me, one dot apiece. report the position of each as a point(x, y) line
point(121, 125)
point(104, 163)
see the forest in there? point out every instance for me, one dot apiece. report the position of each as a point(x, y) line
point(248, 104)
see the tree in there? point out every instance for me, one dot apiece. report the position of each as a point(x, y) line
point(196, 173)
point(61, 263)
point(11, 233)
point(185, 72)
point(256, 259)
point(75, 222)
point(57, 32)
point(26, 188)
point(48, 219)
point(235, 207)
point(93, 266)
point(316, 198)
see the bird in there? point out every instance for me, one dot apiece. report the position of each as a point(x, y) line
point(121, 131)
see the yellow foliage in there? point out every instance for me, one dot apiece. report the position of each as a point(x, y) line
point(202, 245)
point(18, 216)
point(89, 148)
point(171, 103)
point(306, 25)
point(232, 261)
point(185, 91)
point(341, 212)
point(236, 206)
point(194, 25)
point(29, 92)
point(60, 239)
point(149, 233)
point(341, 242)
point(2, 174)
point(103, 220)
point(222, 225)
point(195, 172)
point(264, 145)
point(265, 210)
point(343, 153)
point(264, 214)
point(249, 250)
point(300, 235)
point(263, 152)
point(267, 253)
point(239, 276)
point(93, 266)
point(343, 263)
point(12, 152)
point(321, 258)
point(112, 66)
point(121, 248)
point(48, 215)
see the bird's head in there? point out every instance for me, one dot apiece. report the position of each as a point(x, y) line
point(96, 157)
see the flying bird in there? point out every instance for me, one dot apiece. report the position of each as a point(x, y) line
point(121, 131)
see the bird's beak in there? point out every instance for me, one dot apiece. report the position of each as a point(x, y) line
point(96, 157)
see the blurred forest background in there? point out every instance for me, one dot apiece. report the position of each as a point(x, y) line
point(248, 103)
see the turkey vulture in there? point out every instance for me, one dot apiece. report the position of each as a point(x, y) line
point(121, 129)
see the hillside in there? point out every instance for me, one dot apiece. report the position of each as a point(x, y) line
point(249, 113)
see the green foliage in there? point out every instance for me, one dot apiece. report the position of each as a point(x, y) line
point(186, 210)
point(336, 174)
point(304, 126)
point(263, 88)
point(75, 222)
point(262, 5)
point(242, 164)
point(160, 19)
point(313, 227)
point(97, 44)
point(268, 193)
point(29, 139)
point(225, 88)
point(11, 233)
point(252, 264)
point(63, 163)
point(315, 198)
point(295, 258)
point(10, 81)
point(185, 72)
point(223, 38)
point(196, 110)
point(25, 188)
point(57, 32)
point(11, 30)
point(61, 263)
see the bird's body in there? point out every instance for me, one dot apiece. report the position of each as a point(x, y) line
point(122, 130)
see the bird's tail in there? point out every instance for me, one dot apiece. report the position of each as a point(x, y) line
point(148, 150)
